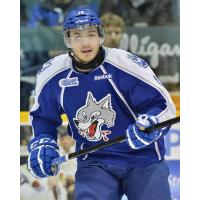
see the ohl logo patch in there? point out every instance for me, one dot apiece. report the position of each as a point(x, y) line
point(93, 115)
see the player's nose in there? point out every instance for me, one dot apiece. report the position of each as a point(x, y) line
point(85, 41)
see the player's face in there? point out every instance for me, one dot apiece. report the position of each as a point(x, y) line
point(113, 36)
point(85, 43)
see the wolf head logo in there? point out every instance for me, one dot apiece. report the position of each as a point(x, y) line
point(90, 118)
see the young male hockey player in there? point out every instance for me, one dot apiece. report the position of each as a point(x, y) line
point(105, 93)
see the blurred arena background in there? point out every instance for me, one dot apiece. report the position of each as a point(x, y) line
point(148, 28)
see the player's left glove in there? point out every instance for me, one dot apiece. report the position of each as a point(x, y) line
point(137, 138)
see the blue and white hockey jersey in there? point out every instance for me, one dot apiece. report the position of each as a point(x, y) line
point(101, 104)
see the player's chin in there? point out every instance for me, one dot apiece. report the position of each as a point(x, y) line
point(88, 57)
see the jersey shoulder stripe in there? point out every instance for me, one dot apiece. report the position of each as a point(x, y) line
point(133, 65)
point(128, 62)
point(53, 67)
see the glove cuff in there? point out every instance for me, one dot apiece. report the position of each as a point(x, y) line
point(40, 140)
point(146, 120)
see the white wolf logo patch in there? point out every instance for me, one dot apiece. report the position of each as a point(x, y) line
point(90, 118)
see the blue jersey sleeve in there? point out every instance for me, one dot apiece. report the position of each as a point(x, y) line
point(46, 114)
point(143, 91)
point(146, 99)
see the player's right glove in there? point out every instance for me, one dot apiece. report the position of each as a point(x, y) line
point(42, 150)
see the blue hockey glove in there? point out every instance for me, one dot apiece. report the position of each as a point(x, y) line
point(136, 136)
point(42, 150)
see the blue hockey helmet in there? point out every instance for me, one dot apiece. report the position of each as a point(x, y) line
point(80, 19)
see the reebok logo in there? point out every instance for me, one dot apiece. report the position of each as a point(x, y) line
point(101, 77)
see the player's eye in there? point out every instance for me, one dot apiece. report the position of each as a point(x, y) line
point(77, 37)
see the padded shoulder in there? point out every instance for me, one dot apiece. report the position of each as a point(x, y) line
point(52, 67)
point(131, 64)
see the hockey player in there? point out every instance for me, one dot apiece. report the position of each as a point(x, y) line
point(105, 93)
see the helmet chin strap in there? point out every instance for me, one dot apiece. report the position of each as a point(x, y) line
point(90, 65)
